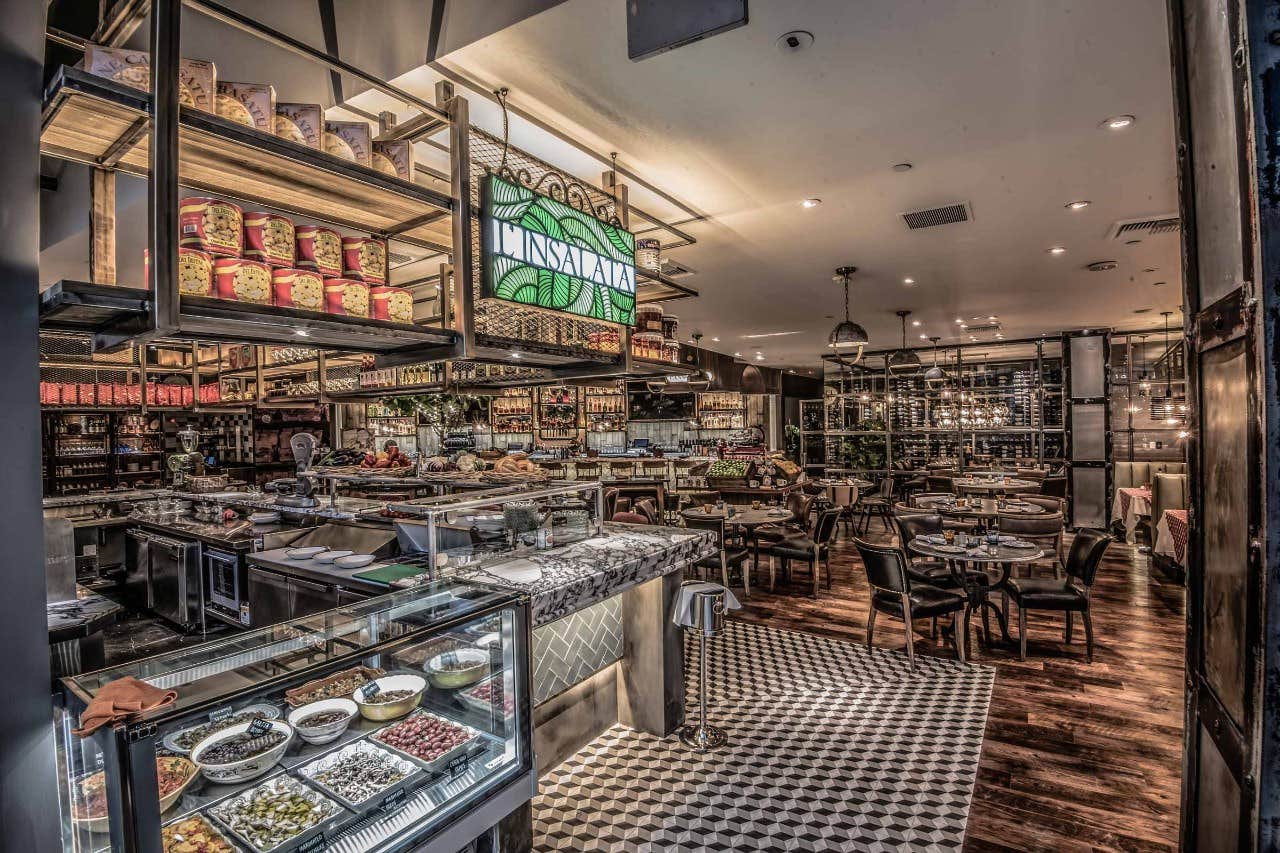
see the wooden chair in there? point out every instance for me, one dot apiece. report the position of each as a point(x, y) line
point(1069, 594)
point(729, 553)
point(894, 594)
point(879, 505)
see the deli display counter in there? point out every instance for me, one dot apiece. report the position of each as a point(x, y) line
point(401, 722)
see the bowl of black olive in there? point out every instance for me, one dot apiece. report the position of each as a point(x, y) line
point(323, 721)
point(242, 752)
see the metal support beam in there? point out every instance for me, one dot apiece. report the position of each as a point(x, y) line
point(162, 198)
point(102, 226)
point(464, 260)
point(125, 142)
point(120, 21)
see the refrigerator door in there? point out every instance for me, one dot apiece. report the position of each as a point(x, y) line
point(176, 587)
point(270, 598)
point(137, 569)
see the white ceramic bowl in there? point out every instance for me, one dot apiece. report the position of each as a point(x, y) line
point(353, 561)
point(248, 768)
point(383, 711)
point(328, 732)
point(305, 553)
point(473, 665)
point(330, 556)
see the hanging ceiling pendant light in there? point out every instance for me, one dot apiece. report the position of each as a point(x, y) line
point(935, 376)
point(904, 359)
point(1144, 384)
point(1168, 408)
point(847, 335)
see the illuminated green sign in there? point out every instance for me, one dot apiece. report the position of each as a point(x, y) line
point(539, 251)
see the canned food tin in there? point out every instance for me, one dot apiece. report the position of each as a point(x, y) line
point(211, 225)
point(319, 250)
point(297, 289)
point(195, 272)
point(391, 303)
point(648, 252)
point(269, 237)
point(343, 296)
point(242, 281)
point(364, 259)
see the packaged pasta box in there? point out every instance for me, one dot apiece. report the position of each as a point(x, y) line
point(197, 78)
point(210, 225)
point(297, 289)
point(391, 303)
point(269, 237)
point(319, 250)
point(350, 140)
point(250, 104)
point(242, 281)
point(394, 158)
point(364, 259)
point(343, 296)
point(300, 123)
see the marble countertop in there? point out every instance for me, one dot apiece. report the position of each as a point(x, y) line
point(86, 613)
point(564, 580)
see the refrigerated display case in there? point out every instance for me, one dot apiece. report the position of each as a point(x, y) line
point(429, 771)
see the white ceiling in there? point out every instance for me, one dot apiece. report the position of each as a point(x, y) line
point(996, 103)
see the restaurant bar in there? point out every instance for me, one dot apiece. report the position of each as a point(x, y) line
point(834, 427)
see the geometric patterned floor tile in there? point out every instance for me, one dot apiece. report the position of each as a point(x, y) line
point(831, 747)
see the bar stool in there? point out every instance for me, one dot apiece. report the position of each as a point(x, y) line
point(621, 470)
point(701, 605)
point(586, 471)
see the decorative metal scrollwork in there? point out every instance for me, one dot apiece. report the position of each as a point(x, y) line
point(554, 185)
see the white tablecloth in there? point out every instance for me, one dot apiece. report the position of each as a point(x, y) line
point(1127, 506)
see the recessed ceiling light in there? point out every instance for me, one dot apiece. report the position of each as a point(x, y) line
point(737, 355)
point(908, 281)
point(515, 355)
point(1118, 122)
point(924, 337)
point(1000, 335)
point(759, 356)
point(811, 202)
point(961, 322)
point(972, 338)
point(715, 340)
point(992, 317)
point(1056, 250)
point(1078, 205)
point(964, 325)
point(302, 333)
point(902, 167)
point(915, 322)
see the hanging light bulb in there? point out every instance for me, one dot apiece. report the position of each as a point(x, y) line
point(934, 376)
point(903, 359)
point(847, 334)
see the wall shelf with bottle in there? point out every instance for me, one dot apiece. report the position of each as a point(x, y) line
point(558, 417)
point(721, 410)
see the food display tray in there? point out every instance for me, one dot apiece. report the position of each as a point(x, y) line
point(337, 818)
point(481, 707)
point(213, 825)
point(296, 697)
point(363, 747)
point(268, 711)
point(441, 762)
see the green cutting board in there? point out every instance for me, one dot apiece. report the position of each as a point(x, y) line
point(389, 574)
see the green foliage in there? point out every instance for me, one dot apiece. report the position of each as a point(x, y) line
point(442, 412)
point(791, 442)
point(865, 452)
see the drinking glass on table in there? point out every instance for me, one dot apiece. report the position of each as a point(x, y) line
point(949, 536)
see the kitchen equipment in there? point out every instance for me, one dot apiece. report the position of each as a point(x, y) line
point(226, 584)
point(298, 491)
point(187, 462)
point(176, 588)
point(354, 561)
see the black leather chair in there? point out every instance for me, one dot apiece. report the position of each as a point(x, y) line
point(1070, 594)
point(730, 554)
point(939, 483)
point(894, 594)
point(1054, 487)
point(798, 525)
point(879, 505)
point(922, 569)
point(814, 550)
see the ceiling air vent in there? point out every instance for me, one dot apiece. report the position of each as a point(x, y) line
point(1135, 229)
point(978, 329)
point(1102, 266)
point(945, 215)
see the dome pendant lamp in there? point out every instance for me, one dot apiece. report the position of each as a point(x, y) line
point(847, 335)
point(904, 359)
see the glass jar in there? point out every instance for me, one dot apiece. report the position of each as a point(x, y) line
point(649, 319)
point(647, 345)
point(671, 351)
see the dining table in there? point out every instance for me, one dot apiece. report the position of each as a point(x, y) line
point(747, 518)
point(992, 485)
point(978, 569)
point(1171, 536)
point(1130, 504)
point(982, 510)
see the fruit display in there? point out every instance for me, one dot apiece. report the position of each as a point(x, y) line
point(358, 772)
point(274, 812)
point(425, 736)
point(193, 835)
point(728, 469)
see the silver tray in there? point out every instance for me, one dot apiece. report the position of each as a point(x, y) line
point(363, 746)
point(211, 823)
point(324, 825)
point(440, 762)
point(478, 705)
point(268, 711)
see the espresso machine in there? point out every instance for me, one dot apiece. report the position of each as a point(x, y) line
point(187, 462)
point(299, 490)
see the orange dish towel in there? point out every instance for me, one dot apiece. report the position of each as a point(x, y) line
point(121, 699)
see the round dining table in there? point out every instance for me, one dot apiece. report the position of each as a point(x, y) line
point(746, 518)
point(992, 486)
point(978, 570)
point(981, 509)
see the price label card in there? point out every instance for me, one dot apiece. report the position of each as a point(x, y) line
point(217, 715)
point(458, 765)
point(395, 800)
point(314, 844)
point(259, 727)
point(370, 690)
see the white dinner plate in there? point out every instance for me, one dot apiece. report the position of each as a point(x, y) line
point(330, 556)
point(353, 561)
point(949, 549)
point(305, 553)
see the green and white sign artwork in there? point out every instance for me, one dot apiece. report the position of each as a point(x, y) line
point(539, 251)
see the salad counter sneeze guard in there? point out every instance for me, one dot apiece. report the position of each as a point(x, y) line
point(401, 722)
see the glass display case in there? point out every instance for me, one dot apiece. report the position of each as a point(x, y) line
point(390, 724)
point(465, 531)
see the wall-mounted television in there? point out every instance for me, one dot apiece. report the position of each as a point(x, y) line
point(646, 406)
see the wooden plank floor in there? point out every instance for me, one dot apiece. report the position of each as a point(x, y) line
point(1077, 757)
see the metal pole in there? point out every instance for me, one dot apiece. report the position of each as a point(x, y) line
point(162, 198)
point(702, 689)
point(460, 188)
